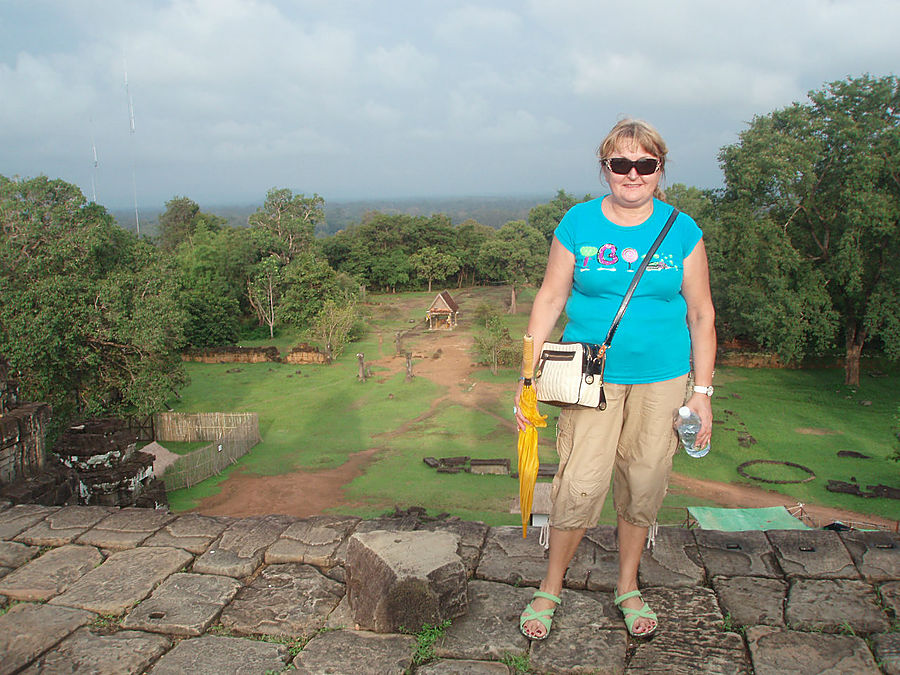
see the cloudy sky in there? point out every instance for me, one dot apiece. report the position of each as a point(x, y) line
point(401, 98)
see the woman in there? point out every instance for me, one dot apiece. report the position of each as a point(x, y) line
point(668, 327)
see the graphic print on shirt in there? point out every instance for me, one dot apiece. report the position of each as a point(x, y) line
point(608, 255)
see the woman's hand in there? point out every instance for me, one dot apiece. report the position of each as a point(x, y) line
point(521, 422)
point(702, 405)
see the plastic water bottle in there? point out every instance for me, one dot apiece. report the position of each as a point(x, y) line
point(687, 424)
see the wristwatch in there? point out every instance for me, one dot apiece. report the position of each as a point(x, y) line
point(704, 390)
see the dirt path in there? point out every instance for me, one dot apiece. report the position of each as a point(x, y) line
point(445, 357)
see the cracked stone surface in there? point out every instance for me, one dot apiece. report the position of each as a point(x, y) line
point(64, 526)
point(192, 532)
point(223, 656)
point(749, 601)
point(509, 558)
point(818, 602)
point(285, 599)
point(125, 528)
point(364, 653)
point(28, 630)
point(833, 605)
point(124, 579)
point(314, 541)
point(51, 574)
point(817, 554)
point(778, 651)
point(123, 653)
point(732, 554)
point(18, 518)
point(242, 547)
point(184, 604)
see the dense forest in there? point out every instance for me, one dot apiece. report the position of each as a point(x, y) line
point(803, 244)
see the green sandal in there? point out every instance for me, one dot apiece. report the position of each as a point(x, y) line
point(632, 615)
point(545, 616)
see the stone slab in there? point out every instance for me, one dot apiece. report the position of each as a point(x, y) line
point(127, 577)
point(241, 549)
point(27, 630)
point(751, 601)
point(14, 554)
point(890, 594)
point(737, 554)
point(816, 554)
point(490, 628)
point(64, 526)
point(511, 559)
point(876, 554)
point(596, 560)
point(357, 652)
point(341, 616)
point(681, 609)
point(50, 574)
point(184, 604)
point(285, 599)
point(581, 648)
point(776, 652)
point(192, 532)
point(313, 541)
point(673, 560)
point(222, 656)
point(124, 653)
point(690, 650)
point(886, 647)
point(471, 539)
point(125, 528)
point(833, 605)
point(463, 667)
point(18, 518)
point(404, 580)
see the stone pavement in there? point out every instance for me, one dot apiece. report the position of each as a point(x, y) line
point(96, 589)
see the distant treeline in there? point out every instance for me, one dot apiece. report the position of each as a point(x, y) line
point(339, 215)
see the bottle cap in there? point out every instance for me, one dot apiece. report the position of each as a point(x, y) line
point(684, 411)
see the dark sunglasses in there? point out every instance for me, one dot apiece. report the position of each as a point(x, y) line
point(622, 166)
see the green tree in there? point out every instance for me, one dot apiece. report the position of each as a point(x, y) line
point(545, 217)
point(290, 220)
point(516, 256)
point(333, 325)
point(430, 263)
point(820, 183)
point(264, 290)
point(470, 237)
point(309, 282)
point(181, 220)
point(89, 318)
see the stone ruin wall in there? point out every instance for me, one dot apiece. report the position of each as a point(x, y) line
point(21, 431)
point(300, 354)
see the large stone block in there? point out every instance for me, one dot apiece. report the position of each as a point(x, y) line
point(876, 554)
point(814, 554)
point(775, 652)
point(405, 579)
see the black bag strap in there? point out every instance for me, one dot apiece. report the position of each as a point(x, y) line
point(637, 277)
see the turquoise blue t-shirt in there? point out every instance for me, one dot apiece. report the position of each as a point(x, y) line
point(652, 343)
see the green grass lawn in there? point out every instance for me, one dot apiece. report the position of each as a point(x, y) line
point(315, 417)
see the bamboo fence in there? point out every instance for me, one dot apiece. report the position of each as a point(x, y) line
point(231, 436)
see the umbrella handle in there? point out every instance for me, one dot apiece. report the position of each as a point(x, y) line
point(527, 358)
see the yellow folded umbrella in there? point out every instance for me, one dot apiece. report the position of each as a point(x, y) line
point(528, 439)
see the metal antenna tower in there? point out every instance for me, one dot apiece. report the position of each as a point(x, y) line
point(137, 219)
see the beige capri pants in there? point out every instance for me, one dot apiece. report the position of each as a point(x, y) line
point(635, 435)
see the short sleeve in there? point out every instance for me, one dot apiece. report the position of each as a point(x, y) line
point(565, 231)
point(691, 234)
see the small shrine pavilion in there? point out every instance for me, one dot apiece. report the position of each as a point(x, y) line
point(442, 313)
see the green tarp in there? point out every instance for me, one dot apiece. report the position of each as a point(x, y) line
point(739, 520)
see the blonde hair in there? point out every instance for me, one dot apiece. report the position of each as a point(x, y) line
point(635, 132)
